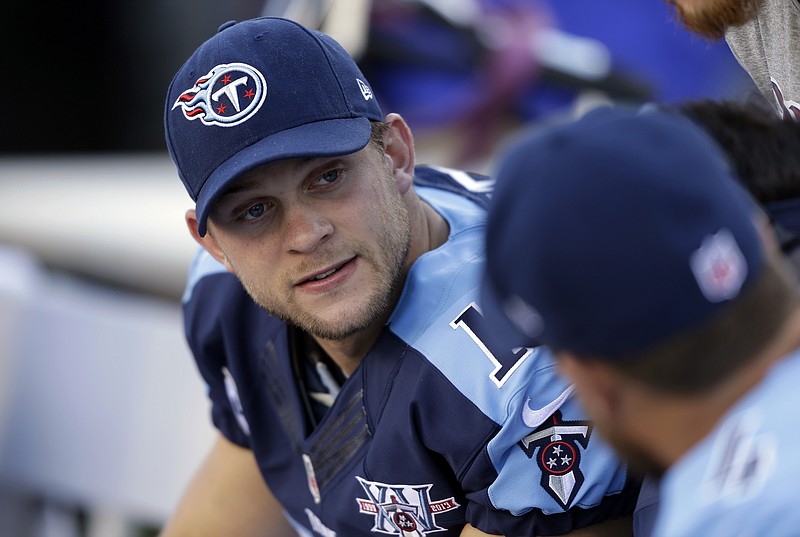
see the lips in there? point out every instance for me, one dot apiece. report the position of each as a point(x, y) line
point(324, 274)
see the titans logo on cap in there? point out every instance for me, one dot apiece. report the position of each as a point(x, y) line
point(228, 95)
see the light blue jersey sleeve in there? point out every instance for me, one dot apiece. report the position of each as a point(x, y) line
point(742, 479)
point(546, 455)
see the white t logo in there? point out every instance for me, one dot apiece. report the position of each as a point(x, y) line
point(230, 91)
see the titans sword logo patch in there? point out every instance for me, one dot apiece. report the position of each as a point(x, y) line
point(556, 446)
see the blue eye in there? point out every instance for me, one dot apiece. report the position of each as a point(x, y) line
point(255, 211)
point(329, 176)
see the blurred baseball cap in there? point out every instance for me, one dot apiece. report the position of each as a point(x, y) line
point(610, 234)
point(258, 91)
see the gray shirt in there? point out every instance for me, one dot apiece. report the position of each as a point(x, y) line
point(768, 47)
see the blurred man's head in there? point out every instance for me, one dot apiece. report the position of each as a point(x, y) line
point(624, 242)
point(764, 150)
point(711, 18)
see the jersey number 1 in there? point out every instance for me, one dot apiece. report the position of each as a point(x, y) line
point(505, 359)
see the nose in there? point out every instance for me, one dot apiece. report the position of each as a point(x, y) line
point(305, 228)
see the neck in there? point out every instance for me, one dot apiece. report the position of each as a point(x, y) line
point(687, 420)
point(429, 230)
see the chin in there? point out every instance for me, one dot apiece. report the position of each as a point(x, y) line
point(343, 320)
point(640, 463)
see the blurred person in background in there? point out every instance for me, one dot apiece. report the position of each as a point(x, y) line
point(333, 315)
point(764, 151)
point(764, 35)
point(663, 294)
point(467, 74)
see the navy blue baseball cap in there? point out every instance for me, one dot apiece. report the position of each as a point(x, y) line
point(613, 233)
point(259, 91)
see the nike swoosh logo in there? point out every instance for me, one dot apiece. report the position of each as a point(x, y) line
point(534, 418)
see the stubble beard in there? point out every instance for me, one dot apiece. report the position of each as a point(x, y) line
point(387, 263)
point(639, 462)
point(713, 20)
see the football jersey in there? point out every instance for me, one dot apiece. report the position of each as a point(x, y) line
point(437, 427)
point(741, 479)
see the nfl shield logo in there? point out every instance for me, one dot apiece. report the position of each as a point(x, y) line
point(719, 267)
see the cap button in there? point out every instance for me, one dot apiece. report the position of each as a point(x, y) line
point(225, 25)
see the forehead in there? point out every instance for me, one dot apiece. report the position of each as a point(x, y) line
point(271, 172)
point(286, 168)
point(278, 168)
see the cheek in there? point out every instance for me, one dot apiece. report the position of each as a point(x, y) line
point(568, 367)
point(591, 404)
point(369, 210)
point(585, 391)
point(251, 259)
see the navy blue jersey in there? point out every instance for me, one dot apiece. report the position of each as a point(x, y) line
point(437, 427)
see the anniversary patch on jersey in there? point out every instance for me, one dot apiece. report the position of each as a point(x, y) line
point(229, 94)
point(555, 447)
point(402, 509)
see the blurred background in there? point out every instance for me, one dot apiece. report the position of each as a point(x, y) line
point(103, 416)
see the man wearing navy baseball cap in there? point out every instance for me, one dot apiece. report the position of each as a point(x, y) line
point(624, 243)
point(765, 152)
point(333, 315)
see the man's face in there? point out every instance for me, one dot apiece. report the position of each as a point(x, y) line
point(640, 462)
point(614, 414)
point(320, 243)
point(711, 18)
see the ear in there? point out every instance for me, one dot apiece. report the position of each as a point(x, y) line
point(206, 241)
point(399, 145)
point(597, 384)
point(767, 233)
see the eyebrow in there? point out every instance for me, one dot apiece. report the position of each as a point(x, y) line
point(302, 161)
point(244, 184)
point(238, 186)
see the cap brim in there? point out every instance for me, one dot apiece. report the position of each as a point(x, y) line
point(320, 139)
point(503, 333)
